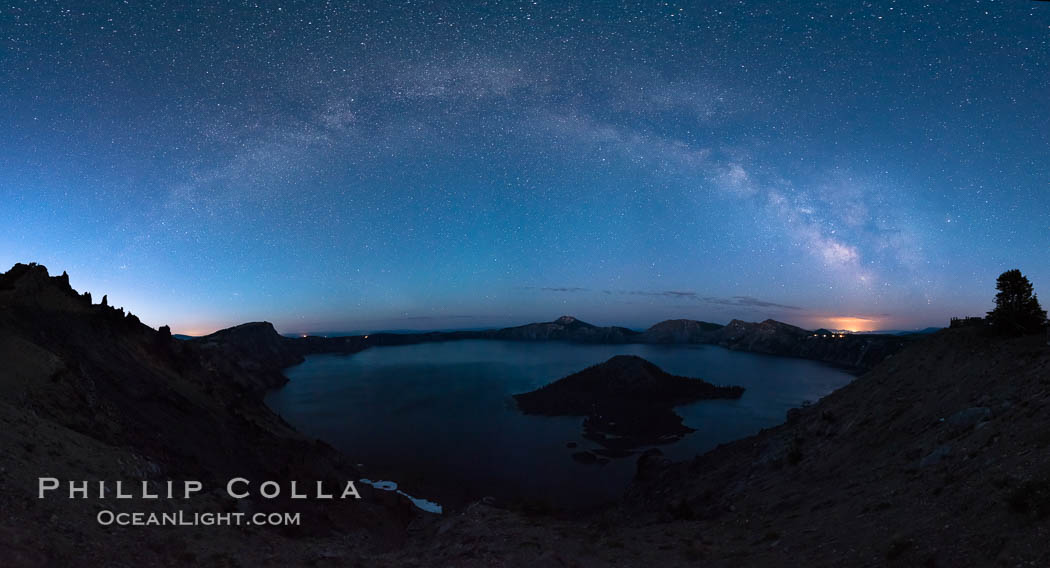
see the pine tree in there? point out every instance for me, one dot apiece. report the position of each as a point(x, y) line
point(1017, 310)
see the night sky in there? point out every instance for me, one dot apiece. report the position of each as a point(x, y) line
point(419, 165)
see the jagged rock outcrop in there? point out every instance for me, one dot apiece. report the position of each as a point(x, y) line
point(87, 392)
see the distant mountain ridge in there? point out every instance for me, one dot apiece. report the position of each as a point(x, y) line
point(565, 328)
point(770, 337)
point(681, 331)
point(859, 351)
point(777, 338)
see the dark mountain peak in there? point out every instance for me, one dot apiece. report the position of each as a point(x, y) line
point(258, 325)
point(685, 324)
point(258, 329)
point(254, 345)
point(624, 370)
point(626, 361)
point(28, 277)
point(20, 270)
point(680, 331)
point(32, 285)
point(766, 326)
point(772, 323)
point(565, 328)
point(672, 322)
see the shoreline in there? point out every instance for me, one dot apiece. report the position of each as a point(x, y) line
point(449, 490)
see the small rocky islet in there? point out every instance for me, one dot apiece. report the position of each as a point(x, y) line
point(627, 401)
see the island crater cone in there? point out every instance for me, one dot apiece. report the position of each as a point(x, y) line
point(627, 400)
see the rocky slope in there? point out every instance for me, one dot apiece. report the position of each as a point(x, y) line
point(87, 392)
point(936, 457)
point(939, 456)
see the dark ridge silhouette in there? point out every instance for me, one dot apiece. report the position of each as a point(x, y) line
point(565, 328)
point(87, 392)
point(854, 351)
point(681, 331)
point(857, 351)
point(934, 457)
point(256, 348)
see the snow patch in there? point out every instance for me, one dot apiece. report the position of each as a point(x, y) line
point(422, 504)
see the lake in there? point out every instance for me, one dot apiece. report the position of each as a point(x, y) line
point(438, 418)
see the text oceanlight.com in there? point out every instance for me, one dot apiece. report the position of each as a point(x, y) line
point(236, 488)
point(184, 519)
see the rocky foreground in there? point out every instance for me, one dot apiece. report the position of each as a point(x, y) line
point(88, 393)
point(939, 456)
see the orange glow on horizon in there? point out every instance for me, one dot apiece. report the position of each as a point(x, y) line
point(195, 332)
point(851, 324)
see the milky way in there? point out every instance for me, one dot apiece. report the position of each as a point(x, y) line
point(333, 166)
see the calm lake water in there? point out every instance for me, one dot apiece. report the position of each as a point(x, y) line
point(438, 417)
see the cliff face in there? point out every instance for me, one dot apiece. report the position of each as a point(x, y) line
point(87, 392)
point(255, 348)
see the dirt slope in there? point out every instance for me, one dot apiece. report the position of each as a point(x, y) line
point(940, 456)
